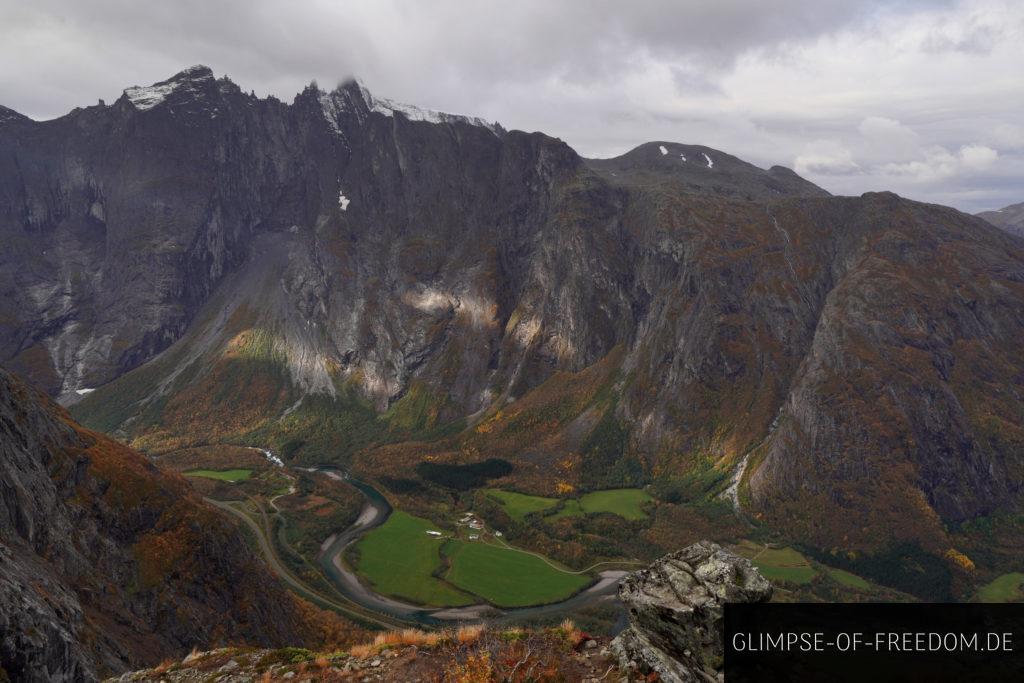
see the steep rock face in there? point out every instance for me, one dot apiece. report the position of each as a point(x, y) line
point(1009, 218)
point(676, 619)
point(345, 272)
point(107, 563)
point(930, 298)
point(123, 219)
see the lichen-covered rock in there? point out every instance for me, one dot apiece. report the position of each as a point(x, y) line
point(676, 611)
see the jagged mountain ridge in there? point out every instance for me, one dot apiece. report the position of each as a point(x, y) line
point(107, 562)
point(353, 267)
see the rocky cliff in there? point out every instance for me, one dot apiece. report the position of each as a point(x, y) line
point(676, 619)
point(340, 275)
point(107, 563)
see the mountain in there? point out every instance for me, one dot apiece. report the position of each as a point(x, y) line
point(1009, 218)
point(345, 279)
point(107, 563)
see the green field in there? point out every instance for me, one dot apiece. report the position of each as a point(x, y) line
point(847, 579)
point(223, 475)
point(570, 508)
point(399, 559)
point(508, 578)
point(518, 505)
point(1005, 588)
point(626, 503)
point(783, 564)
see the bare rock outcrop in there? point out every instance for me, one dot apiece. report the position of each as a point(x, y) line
point(676, 616)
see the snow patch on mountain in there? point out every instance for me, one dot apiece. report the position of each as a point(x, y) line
point(343, 201)
point(330, 108)
point(148, 97)
point(711, 164)
point(663, 150)
point(144, 98)
point(382, 105)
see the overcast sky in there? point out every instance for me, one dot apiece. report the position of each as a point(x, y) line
point(923, 98)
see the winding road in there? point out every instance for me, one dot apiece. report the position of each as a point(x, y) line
point(262, 535)
point(362, 603)
point(375, 512)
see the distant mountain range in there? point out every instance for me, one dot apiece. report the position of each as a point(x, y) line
point(345, 279)
point(1009, 218)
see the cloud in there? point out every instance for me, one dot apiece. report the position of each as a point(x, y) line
point(826, 157)
point(1008, 136)
point(940, 164)
point(888, 138)
point(977, 157)
point(891, 94)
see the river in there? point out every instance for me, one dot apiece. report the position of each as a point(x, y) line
point(375, 512)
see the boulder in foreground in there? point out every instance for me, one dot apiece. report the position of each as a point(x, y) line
point(675, 606)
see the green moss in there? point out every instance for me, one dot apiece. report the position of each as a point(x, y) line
point(286, 655)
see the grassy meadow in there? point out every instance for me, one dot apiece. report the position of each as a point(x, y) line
point(508, 578)
point(399, 559)
point(233, 475)
point(1005, 588)
point(626, 503)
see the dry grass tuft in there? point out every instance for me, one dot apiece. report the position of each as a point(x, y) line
point(163, 666)
point(387, 638)
point(409, 636)
point(414, 636)
point(362, 650)
point(469, 634)
point(571, 632)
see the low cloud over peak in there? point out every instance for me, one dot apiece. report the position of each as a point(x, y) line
point(922, 98)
